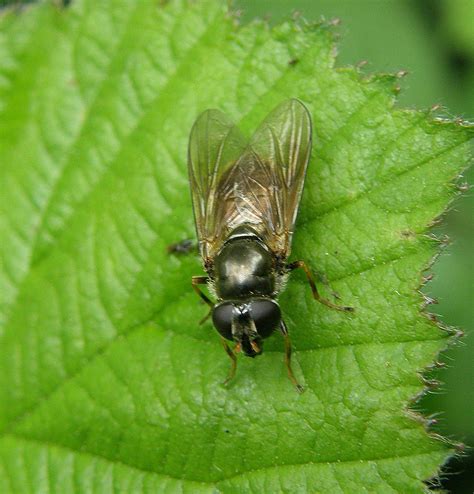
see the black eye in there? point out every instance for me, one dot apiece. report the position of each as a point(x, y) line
point(222, 319)
point(266, 315)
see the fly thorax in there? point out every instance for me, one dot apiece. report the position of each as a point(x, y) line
point(243, 268)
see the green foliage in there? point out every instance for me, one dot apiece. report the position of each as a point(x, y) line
point(107, 383)
point(457, 23)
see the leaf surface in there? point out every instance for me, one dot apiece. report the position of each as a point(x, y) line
point(107, 382)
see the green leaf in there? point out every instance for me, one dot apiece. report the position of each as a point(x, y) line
point(107, 382)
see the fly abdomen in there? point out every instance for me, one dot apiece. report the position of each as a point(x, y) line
point(243, 268)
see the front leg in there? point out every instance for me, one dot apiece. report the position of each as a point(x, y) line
point(201, 280)
point(301, 264)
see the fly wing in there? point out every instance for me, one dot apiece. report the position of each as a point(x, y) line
point(283, 143)
point(263, 189)
point(215, 144)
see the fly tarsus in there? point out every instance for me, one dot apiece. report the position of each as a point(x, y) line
point(301, 264)
point(233, 358)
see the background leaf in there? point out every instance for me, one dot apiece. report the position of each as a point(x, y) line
point(106, 380)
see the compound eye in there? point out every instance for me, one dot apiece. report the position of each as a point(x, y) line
point(266, 314)
point(222, 319)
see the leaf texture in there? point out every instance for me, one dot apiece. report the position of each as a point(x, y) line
point(107, 382)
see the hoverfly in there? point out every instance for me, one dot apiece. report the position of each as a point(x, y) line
point(245, 198)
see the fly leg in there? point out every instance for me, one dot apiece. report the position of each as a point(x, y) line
point(205, 318)
point(233, 358)
point(284, 332)
point(312, 284)
point(321, 277)
point(201, 280)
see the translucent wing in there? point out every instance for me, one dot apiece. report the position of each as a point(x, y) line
point(215, 144)
point(263, 189)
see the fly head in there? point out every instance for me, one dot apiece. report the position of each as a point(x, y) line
point(247, 323)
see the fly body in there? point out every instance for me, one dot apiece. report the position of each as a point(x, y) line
point(245, 199)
